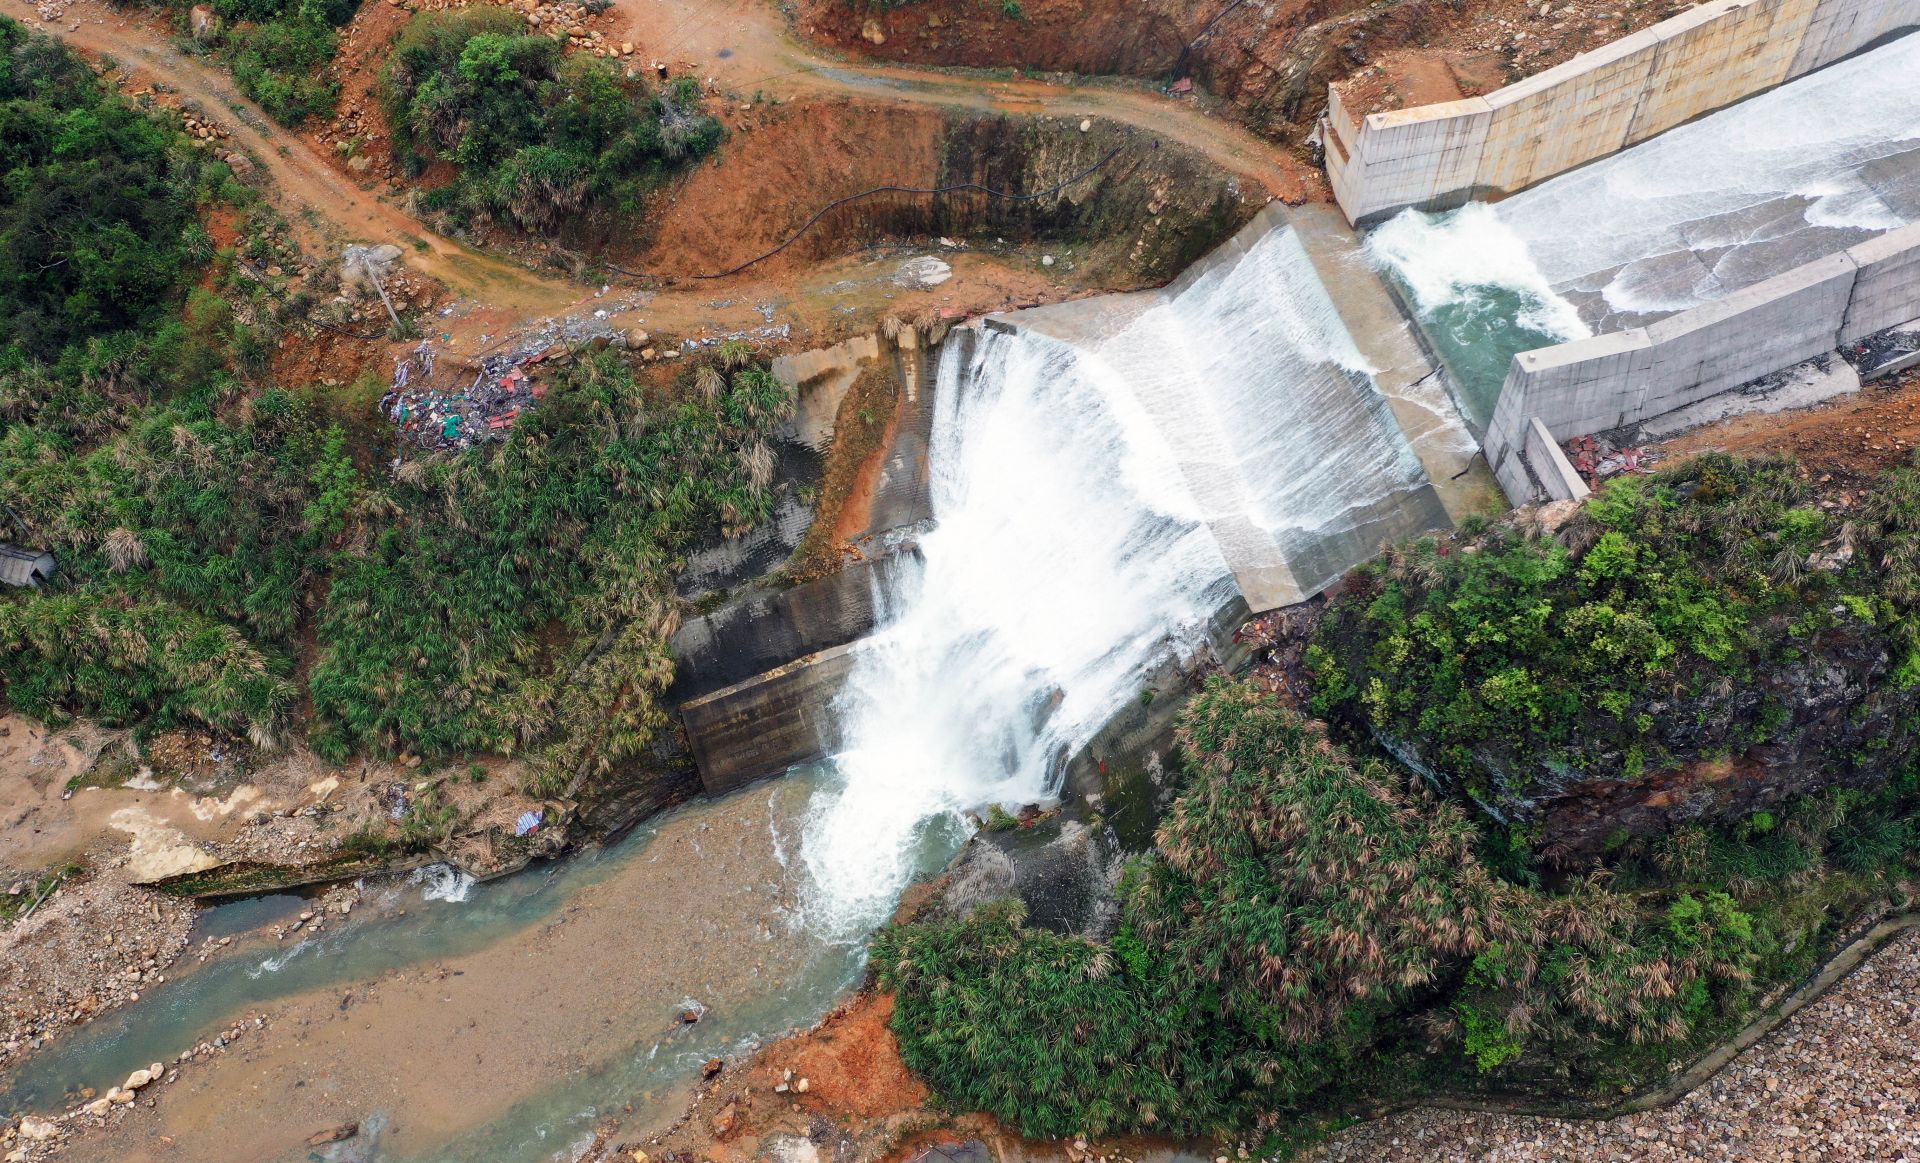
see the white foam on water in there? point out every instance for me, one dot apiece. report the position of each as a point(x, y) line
point(279, 961)
point(1050, 581)
point(1797, 159)
point(1071, 556)
point(442, 882)
point(1445, 259)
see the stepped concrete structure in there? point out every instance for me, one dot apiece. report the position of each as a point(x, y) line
point(1713, 55)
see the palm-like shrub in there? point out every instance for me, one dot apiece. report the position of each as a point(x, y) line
point(1309, 889)
point(1298, 900)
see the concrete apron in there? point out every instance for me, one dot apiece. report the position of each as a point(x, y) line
point(1415, 388)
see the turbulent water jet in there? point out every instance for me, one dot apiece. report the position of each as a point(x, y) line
point(1101, 475)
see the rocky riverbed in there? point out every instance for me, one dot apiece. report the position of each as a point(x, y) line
point(563, 997)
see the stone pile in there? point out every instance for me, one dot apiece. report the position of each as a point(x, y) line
point(95, 944)
point(204, 130)
point(574, 24)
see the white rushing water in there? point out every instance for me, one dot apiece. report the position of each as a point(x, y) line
point(1076, 491)
point(1686, 218)
point(1699, 211)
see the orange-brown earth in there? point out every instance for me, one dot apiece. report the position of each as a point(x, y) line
point(1269, 63)
point(1841, 443)
point(1478, 48)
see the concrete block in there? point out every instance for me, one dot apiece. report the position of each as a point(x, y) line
point(1715, 55)
point(770, 722)
point(1754, 331)
point(1840, 28)
point(765, 629)
point(1550, 465)
point(1886, 291)
point(1410, 157)
point(1566, 116)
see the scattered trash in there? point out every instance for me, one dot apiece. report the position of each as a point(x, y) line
point(485, 410)
point(1596, 460)
point(528, 823)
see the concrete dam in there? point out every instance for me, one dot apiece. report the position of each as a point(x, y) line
point(1686, 219)
point(1108, 485)
point(1106, 478)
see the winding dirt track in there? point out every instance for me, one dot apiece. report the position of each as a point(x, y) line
point(762, 57)
point(323, 207)
point(327, 209)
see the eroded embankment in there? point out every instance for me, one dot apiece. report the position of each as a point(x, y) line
point(1133, 208)
point(1270, 63)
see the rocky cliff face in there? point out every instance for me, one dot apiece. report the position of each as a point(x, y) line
point(1270, 61)
point(1830, 719)
point(1692, 647)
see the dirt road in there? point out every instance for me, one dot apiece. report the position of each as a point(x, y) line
point(323, 208)
point(745, 46)
point(742, 44)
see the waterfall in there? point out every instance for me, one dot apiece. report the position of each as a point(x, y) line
point(1083, 491)
point(1064, 560)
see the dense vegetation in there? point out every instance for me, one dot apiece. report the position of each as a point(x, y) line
point(1669, 622)
point(526, 594)
point(278, 51)
point(99, 210)
point(539, 138)
point(1318, 922)
point(1315, 925)
point(227, 557)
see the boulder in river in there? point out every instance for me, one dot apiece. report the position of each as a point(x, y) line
point(333, 1134)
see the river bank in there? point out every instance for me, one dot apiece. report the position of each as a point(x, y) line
point(499, 1026)
point(1835, 1080)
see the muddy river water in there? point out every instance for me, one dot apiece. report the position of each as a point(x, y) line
point(460, 1021)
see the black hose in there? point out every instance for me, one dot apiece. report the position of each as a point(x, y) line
point(1180, 66)
point(964, 186)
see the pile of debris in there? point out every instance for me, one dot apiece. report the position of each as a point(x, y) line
point(1596, 459)
point(486, 408)
point(572, 23)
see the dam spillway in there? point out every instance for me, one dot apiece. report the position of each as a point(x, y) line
point(1685, 219)
point(1106, 477)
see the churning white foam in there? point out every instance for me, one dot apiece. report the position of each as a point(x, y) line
point(442, 882)
point(1076, 493)
point(1445, 259)
point(1048, 585)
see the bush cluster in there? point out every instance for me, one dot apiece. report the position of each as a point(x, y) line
point(279, 51)
point(538, 137)
point(1298, 899)
point(1313, 925)
point(97, 207)
point(1506, 655)
point(521, 594)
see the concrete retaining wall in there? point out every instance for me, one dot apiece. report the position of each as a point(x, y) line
point(1592, 385)
point(770, 722)
point(1886, 291)
point(1439, 156)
